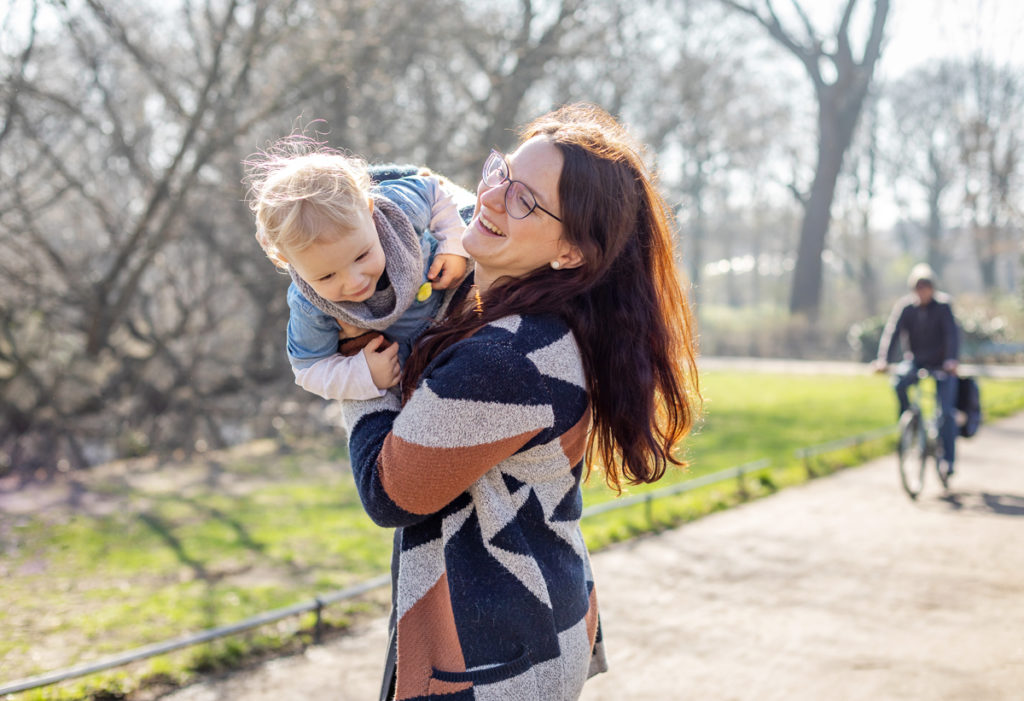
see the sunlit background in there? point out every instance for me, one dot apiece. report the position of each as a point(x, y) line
point(139, 313)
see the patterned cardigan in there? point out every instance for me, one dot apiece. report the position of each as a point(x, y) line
point(480, 472)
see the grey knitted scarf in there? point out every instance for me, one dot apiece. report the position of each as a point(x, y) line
point(403, 264)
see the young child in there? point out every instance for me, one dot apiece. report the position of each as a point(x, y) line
point(362, 256)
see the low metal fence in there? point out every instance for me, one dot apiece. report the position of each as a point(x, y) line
point(315, 605)
point(647, 498)
point(808, 454)
point(318, 603)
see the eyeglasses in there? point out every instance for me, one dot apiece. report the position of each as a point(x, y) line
point(519, 200)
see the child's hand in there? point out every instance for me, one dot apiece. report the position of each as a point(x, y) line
point(383, 361)
point(447, 270)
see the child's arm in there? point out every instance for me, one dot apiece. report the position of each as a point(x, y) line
point(339, 377)
point(449, 265)
point(365, 375)
point(445, 223)
point(430, 205)
point(316, 363)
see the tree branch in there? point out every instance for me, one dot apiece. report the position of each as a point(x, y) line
point(120, 35)
point(15, 83)
point(812, 33)
point(844, 56)
point(874, 44)
point(808, 55)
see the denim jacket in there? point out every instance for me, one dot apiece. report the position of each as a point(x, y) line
point(312, 337)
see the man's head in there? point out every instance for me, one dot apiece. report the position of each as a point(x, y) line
point(922, 281)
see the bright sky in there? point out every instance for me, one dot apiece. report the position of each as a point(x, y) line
point(920, 30)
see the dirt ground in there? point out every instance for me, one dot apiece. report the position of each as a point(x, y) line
point(839, 589)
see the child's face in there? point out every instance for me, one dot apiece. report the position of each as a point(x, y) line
point(343, 269)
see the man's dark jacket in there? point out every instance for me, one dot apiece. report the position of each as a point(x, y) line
point(929, 332)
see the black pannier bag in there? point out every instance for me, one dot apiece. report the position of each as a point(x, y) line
point(968, 400)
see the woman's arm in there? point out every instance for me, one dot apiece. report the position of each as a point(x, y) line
point(481, 403)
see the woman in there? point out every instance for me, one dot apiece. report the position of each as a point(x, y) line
point(572, 341)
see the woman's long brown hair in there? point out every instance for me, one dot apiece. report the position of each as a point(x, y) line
point(625, 303)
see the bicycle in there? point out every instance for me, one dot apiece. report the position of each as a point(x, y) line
point(919, 441)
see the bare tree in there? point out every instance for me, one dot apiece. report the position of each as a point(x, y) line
point(924, 148)
point(514, 61)
point(991, 151)
point(841, 81)
point(120, 216)
point(702, 114)
point(957, 128)
point(857, 196)
point(138, 309)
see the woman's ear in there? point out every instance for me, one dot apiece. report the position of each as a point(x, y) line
point(569, 256)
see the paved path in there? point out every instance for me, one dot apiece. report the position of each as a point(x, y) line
point(838, 589)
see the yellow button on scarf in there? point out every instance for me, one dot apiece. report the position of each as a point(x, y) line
point(424, 292)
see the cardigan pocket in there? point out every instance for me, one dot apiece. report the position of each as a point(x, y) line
point(442, 681)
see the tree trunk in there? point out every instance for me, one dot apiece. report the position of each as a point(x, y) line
point(840, 100)
point(835, 131)
point(985, 246)
point(696, 251)
point(866, 276)
point(933, 232)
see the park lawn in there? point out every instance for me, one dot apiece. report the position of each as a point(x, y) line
point(153, 550)
point(750, 416)
point(747, 417)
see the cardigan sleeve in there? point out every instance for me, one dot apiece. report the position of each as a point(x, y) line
point(478, 405)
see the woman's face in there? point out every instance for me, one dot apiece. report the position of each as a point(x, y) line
point(504, 246)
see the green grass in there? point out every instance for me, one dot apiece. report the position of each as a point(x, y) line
point(157, 550)
point(749, 416)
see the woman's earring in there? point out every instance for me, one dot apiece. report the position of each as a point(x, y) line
point(555, 264)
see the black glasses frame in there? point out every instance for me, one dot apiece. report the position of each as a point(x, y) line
point(507, 181)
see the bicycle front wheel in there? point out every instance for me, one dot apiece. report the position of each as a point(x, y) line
point(912, 452)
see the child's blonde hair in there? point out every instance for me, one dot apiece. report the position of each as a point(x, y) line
point(301, 191)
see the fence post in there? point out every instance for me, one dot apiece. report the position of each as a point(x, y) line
point(741, 485)
point(809, 466)
point(318, 623)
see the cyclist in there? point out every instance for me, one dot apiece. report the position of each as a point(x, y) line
point(925, 320)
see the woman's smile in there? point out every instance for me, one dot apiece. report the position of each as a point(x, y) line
point(489, 227)
point(504, 246)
